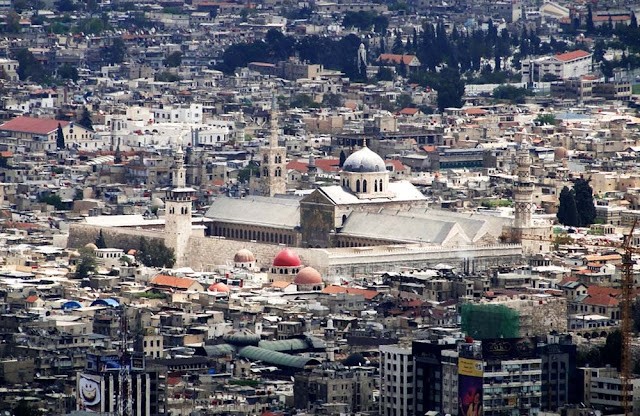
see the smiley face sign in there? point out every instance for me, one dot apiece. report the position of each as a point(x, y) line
point(89, 392)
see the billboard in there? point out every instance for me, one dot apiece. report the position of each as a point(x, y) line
point(470, 387)
point(90, 391)
point(509, 348)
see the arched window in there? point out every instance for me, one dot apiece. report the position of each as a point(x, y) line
point(265, 172)
point(364, 186)
point(380, 187)
point(278, 172)
point(358, 185)
point(375, 185)
point(265, 158)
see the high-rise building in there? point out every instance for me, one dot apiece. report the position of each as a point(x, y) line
point(429, 377)
point(559, 374)
point(397, 384)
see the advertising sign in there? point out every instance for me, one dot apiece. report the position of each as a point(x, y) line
point(508, 348)
point(470, 387)
point(89, 392)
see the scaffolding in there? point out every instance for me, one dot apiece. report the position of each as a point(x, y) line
point(489, 321)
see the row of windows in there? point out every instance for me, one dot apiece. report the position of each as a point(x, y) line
point(267, 237)
point(377, 185)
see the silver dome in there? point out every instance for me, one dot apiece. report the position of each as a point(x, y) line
point(364, 160)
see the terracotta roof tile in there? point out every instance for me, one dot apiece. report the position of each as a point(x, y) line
point(172, 281)
point(570, 56)
point(24, 124)
point(333, 289)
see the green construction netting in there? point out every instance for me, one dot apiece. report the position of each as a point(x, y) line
point(489, 321)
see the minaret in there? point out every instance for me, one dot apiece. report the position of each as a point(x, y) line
point(312, 172)
point(271, 178)
point(177, 227)
point(523, 192)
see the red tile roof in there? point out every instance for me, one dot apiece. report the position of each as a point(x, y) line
point(602, 300)
point(595, 290)
point(397, 165)
point(172, 281)
point(333, 289)
point(409, 111)
point(396, 58)
point(24, 124)
point(570, 56)
point(32, 299)
point(614, 18)
point(475, 111)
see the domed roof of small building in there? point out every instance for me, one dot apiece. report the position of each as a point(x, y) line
point(219, 287)
point(157, 203)
point(308, 276)
point(241, 337)
point(287, 258)
point(91, 246)
point(354, 360)
point(244, 256)
point(74, 254)
point(560, 153)
point(364, 160)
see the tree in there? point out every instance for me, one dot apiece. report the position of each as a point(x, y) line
point(343, 157)
point(332, 100)
point(114, 53)
point(584, 202)
point(25, 409)
point(85, 119)
point(100, 242)
point(511, 93)
point(67, 71)
point(567, 211)
point(66, 6)
point(60, 137)
point(405, 101)
point(384, 74)
point(174, 59)
point(29, 67)
point(545, 119)
point(589, 23)
point(155, 253)
point(450, 87)
point(87, 264)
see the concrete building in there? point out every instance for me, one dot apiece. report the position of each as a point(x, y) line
point(602, 388)
point(566, 65)
point(397, 381)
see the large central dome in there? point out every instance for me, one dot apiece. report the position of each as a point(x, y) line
point(364, 160)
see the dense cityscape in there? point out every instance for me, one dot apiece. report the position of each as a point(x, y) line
point(364, 207)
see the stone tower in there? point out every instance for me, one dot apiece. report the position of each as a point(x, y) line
point(177, 228)
point(271, 178)
point(523, 191)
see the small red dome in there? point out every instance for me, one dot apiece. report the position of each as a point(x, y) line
point(308, 276)
point(244, 256)
point(219, 287)
point(287, 258)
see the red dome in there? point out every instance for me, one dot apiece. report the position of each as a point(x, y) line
point(219, 287)
point(244, 256)
point(308, 276)
point(287, 258)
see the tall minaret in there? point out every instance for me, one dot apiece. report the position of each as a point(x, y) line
point(271, 178)
point(523, 191)
point(178, 201)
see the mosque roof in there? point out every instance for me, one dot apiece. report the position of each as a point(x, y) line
point(287, 258)
point(276, 358)
point(258, 210)
point(364, 160)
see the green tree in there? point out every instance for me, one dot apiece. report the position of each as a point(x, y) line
point(100, 241)
point(384, 74)
point(303, 101)
point(66, 6)
point(85, 119)
point(60, 137)
point(155, 253)
point(174, 59)
point(53, 199)
point(404, 101)
point(86, 264)
point(12, 22)
point(332, 100)
point(545, 119)
point(567, 210)
point(589, 24)
point(166, 76)
point(67, 71)
point(450, 87)
point(29, 67)
point(114, 53)
point(343, 157)
point(511, 93)
point(584, 202)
